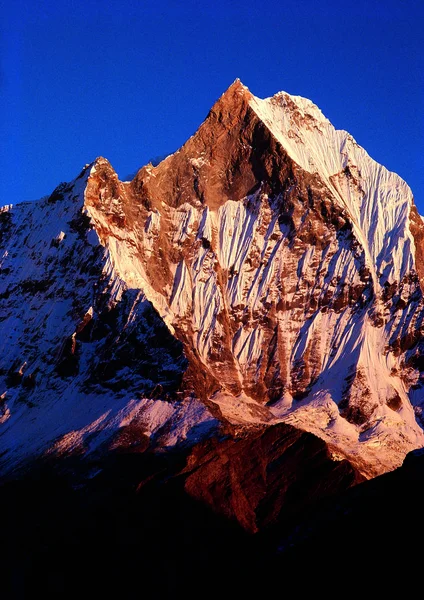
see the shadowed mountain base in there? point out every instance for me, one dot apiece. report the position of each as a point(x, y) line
point(132, 524)
point(112, 538)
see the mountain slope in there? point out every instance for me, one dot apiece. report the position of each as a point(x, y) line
point(269, 271)
point(287, 260)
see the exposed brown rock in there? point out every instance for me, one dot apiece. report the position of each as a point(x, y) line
point(417, 230)
point(257, 474)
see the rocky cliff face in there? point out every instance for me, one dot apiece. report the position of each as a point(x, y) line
point(268, 272)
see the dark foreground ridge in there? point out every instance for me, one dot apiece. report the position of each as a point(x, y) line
point(166, 521)
point(133, 531)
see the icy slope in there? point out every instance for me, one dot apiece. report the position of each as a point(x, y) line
point(85, 362)
point(378, 201)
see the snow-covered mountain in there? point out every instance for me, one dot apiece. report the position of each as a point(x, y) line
point(269, 272)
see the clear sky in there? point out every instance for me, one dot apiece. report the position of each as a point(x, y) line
point(133, 80)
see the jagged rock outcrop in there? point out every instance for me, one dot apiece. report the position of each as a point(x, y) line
point(267, 272)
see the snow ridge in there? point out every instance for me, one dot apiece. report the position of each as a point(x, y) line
point(377, 200)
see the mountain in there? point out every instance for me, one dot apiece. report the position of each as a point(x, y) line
point(235, 330)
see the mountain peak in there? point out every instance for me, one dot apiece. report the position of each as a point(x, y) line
point(273, 249)
point(251, 305)
point(235, 90)
point(100, 163)
point(288, 102)
point(237, 83)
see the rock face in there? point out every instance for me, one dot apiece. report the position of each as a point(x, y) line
point(268, 273)
point(259, 474)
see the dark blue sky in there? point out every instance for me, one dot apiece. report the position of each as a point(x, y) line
point(133, 80)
